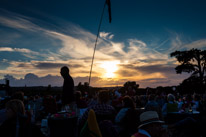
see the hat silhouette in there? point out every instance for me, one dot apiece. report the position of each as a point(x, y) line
point(149, 117)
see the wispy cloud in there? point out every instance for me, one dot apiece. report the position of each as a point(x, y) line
point(138, 61)
point(17, 21)
point(22, 50)
point(177, 43)
point(106, 35)
point(6, 49)
point(141, 52)
point(82, 47)
point(199, 44)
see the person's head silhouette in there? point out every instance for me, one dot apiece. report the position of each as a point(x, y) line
point(64, 71)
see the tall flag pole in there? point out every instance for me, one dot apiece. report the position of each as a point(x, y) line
point(110, 19)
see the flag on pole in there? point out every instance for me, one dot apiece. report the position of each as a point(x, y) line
point(109, 10)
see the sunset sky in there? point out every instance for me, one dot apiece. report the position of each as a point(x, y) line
point(38, 37)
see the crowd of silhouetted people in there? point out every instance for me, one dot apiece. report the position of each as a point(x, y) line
point(105, 113)
point(117, 114)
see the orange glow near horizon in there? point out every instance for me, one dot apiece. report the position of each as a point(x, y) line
point(110, 68)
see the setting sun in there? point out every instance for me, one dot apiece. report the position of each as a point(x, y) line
point(110, 67)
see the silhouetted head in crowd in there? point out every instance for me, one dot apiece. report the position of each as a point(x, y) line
point(189, 98)
point(14, 107)
point(103, 96)
point(151, 97)
point(128, 102)
point(150, 122)
point(170, 97)
point(18, 95)
point(64, 71)
point(78, 95)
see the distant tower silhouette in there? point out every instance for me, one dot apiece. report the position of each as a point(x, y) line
point(7, 87)
point(7, 83)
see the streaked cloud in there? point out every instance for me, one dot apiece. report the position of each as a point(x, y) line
point(106, 35)
point(26, 52)
point(199, 44)
point(22, 50)
point(137, 61)
point(17, 21)
point(178, 44)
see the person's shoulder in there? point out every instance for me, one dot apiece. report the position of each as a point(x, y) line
point(123, 110)
point(70, 77)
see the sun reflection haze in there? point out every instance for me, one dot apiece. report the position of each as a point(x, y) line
point(110, 68)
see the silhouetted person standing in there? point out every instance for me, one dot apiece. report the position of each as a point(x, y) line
point(68, 87)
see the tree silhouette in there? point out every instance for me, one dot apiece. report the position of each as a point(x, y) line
point(128, 85)
point(131, 84)
point(192, 61)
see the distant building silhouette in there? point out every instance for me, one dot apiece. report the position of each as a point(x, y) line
point(5, 89)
